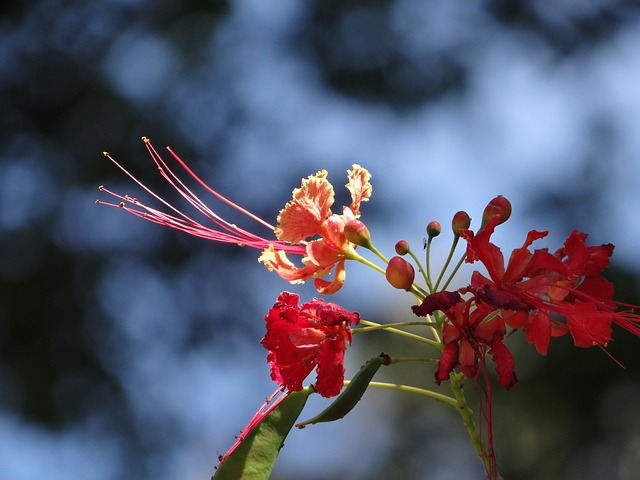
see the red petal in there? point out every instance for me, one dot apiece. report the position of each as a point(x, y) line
point(448, 361)
point(504, 364)
point(588, 326)
point(330, 368)
point(437, 301)
point(538, 331)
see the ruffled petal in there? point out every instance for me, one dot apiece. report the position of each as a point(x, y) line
point(330, 367)
point(359, 187)
point(277, 261)
point(305, 214)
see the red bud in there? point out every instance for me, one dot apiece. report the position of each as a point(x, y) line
point(402, 247)
point(357, 233)
point(433, 229)
point(400, 273)
point(497, 206)
point(461, 221)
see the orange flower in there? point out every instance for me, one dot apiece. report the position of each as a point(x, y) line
point(309, 215)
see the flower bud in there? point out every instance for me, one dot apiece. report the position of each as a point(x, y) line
point(497, 206)
point(433, 229)
point(461, 221)
point(357, 233)
point(402, 247)
point(400, 273)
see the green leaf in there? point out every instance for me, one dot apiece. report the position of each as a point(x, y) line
point(254, 458)
point(351, 395)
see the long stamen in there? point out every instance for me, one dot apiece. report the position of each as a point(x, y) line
point(229, 233)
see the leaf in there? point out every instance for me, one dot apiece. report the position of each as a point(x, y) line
point(351, 395)
point(254, 458)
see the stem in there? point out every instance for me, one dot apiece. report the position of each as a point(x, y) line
point(455, 383)
point(378, 254)
point(420, 391)
point(378, 326)
point(446, 264)
point(426, 277)
point(455, 270)
point(397, 331)
point(353, 255)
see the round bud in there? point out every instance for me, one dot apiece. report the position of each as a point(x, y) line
point(499, 206)
point(402, 247)
point(461, 221)
point(357, 233)
point(400, 273)
point(433, 229)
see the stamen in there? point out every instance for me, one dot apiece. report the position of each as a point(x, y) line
point(229, 233)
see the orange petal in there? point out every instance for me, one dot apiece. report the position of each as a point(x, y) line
point(320, 253)
point(359, 187)
point(277, 261)
point(328, 288)
point(305, 214)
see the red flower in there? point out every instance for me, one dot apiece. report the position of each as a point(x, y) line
point(536, 285)
point(303, 337)
point(468, 337)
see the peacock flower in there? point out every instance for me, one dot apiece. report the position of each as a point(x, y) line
point(308, 218)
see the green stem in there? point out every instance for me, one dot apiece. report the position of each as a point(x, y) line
point(455, 383)
point(378, 254)
point(397, 331)
point(353, 255)
point(420, 391)
point(446, 264)
point(393, 360)
point(426, 277)
point(383, 326)
point(455, 270)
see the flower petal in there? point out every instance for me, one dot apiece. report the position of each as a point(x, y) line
point(329, 288)
point(448, 361)
point(359, 187)
point(277, 261)
point(305, 214)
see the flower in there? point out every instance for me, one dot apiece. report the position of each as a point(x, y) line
point(303, 337)
point(468, 336)
point(535, 287)
point(309, 215)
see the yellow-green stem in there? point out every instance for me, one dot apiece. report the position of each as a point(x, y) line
point(461, 405)
point(420, 391)
point(420, 338)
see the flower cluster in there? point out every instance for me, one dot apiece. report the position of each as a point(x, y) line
point(542, 293)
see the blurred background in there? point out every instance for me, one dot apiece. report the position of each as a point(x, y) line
point(130, 351)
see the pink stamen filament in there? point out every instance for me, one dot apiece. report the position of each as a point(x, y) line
point(266, 408)
point(183, 222)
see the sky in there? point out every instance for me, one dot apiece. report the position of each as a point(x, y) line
point(473, 101)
